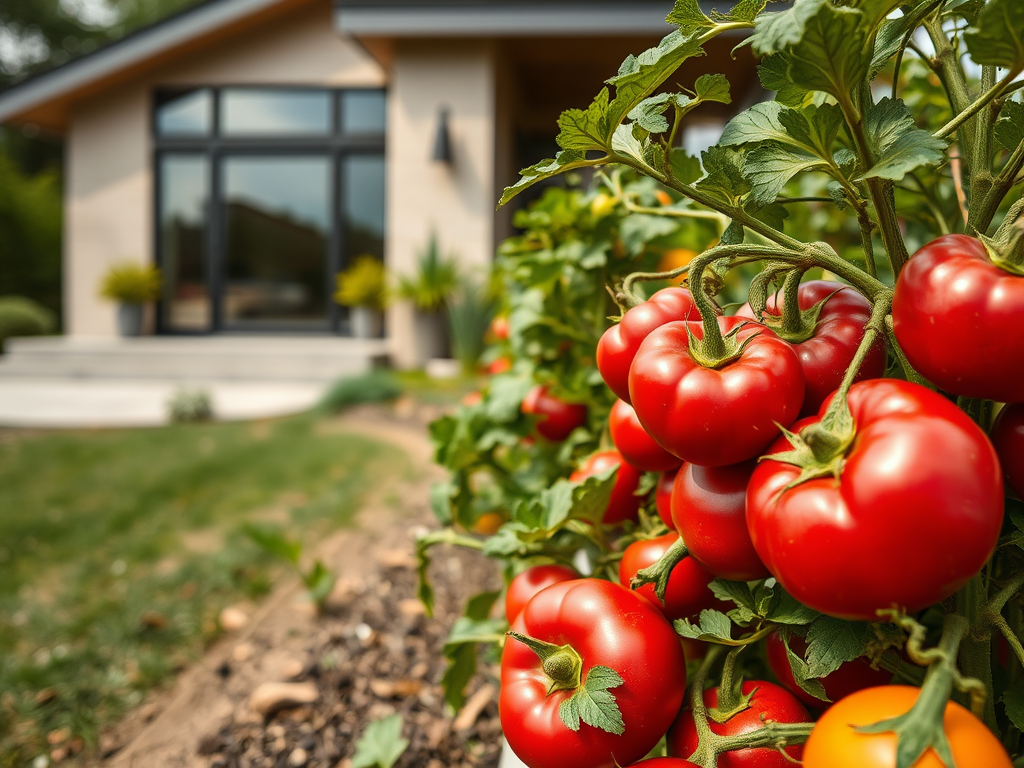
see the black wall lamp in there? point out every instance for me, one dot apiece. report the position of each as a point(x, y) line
point(442, 140)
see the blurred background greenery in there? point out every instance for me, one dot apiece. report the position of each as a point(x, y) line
point(36, 35)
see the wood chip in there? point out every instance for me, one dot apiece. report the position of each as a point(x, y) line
point(474, 708)
point(272, 697)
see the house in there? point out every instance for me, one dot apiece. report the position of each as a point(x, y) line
point(252, 148)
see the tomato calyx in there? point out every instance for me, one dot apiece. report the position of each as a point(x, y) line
point(659, 573)
point(922, 727)
point(1006, 250)
point(590, 702)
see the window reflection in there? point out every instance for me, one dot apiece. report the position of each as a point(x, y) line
point(363, 111)
point(185, 304)
point(278, 224)
point(266, 112)
point(184, 114)
point(362, 184)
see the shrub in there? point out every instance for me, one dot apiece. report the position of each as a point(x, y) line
point(131, 283)
point(187, 406)
point(469, 316)
point(436, 279)
point(20, 316)
point(373, 387)
point(364, 284)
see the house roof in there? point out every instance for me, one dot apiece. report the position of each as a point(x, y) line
point(44, 98)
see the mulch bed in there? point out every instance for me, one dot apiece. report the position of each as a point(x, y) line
point(376, 654)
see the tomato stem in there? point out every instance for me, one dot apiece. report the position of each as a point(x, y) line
point(659, 573)
point(561, 663)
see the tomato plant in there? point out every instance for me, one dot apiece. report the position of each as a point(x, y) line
point(885, 497)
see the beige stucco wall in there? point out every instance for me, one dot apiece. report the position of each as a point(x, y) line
point(456, 201)
point(109, 185)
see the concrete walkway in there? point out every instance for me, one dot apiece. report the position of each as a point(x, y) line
point(65, 402)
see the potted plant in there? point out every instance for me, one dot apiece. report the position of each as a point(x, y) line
point(363, 288)
point(430, 289)
point(132, 286)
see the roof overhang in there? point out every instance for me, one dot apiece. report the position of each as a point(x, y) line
point(43, 98)
point(387, 18)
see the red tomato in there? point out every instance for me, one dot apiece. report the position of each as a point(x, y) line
point(624, 503)
point(499, 365)
point(530, 582)
point(850, 677)
point(557, 418)
point(769, 703)
point(638, 448)
point(1008, 438)
point(687, 593)
point(472, 398)
point(607, 625)
point(666, 762)
point(500, 328)
point(957, 317)
point(827, 354)
point(663, 498)
point(709, 512)
point(715, 416)
point(914, 514)
point(835, 744)
point(618, 345)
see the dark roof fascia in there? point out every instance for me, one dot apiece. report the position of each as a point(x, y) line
point(506, 18)
point(130, 50)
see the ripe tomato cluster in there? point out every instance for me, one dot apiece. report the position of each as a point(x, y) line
point(784, 454)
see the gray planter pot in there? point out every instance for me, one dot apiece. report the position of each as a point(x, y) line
point(367, 322)
point(431, 336)
point(129, 319)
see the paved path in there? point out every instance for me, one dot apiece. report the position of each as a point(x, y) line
point(41, 402)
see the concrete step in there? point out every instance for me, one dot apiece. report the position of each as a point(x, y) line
point(171, 358)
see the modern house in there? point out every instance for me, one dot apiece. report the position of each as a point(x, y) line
point(252, 148)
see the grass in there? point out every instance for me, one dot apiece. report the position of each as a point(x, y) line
point(119, 548)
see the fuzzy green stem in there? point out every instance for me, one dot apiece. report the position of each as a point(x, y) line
point(792, 318)
point(561, 663)
point(950, 72)
point(986, 98)
point(976, 649)
point(659, 573)
point(980, 216)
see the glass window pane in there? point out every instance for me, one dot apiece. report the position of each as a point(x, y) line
point(363, 112)
point(267, 112)
point(184, 194)
point(362, 184)
point(278, 215)
point(189, 114)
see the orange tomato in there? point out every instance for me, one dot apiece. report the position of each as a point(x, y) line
point(835, 744)
point(488, 523)
point(663, 197)
point(674, 258)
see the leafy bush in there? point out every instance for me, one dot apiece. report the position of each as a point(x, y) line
point(469, 315)
point(364, 284)
point(187, 406)
point(20, 316)
point(373, 387)
point(131, 283)
point(436, 279)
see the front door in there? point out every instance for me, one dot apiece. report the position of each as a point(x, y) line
point(275, 216)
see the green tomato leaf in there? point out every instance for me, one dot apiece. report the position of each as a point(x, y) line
point(833, 642)
point(713, 626)
point(689, 17)
point(593, 704)
point(686, 168)
point(479, 606)
point(737, 592)
point(998, 36)
point(893, 32)
point(585, 129)
point(770, 167)
point(566, 160)
point(470, 630)
point(639, 229)
point(590, 498)
point(381, 744)
point(1009, 129)
point(773, 72)
point(823, 45)
point(639, 76)
point(786, 609)
point(1013, 703)
point(649, 113)
point(898, 145)
point(460, 670)
point(723, 175)
point(505, 396)
point(801, 673)
point(758, 124)
point(441, 501)
point(625, 142)
point(712, 88)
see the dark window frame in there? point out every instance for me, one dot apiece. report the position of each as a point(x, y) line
point(215, 147)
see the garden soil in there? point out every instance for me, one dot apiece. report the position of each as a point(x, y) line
point(371, 654)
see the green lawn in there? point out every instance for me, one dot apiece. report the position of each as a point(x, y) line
point(118, 548)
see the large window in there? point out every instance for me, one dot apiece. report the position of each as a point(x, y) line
point(263, 195)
